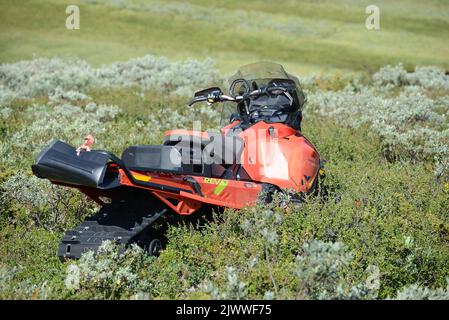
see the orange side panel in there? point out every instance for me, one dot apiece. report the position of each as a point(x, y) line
point(229, 193)
point(284, 158)
point(215, 191)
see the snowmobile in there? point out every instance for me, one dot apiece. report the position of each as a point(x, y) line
point(259, 151)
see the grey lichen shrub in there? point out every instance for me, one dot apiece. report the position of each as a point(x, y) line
point(320, 271)
point(110, 273)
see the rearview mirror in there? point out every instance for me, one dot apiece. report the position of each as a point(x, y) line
point(216, 91)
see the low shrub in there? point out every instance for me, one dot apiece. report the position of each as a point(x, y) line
point(380, 228)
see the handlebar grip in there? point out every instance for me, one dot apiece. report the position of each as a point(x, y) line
point(197, 99)
point(220, 98)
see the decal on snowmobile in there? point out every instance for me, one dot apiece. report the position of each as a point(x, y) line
point(220, 183)
point(220, 187)
point(212, 180)
point(141, 177)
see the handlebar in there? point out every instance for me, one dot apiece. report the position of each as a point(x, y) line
point(212, 98)
point(197, 99)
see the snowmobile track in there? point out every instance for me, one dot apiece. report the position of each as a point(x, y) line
point(109, 224)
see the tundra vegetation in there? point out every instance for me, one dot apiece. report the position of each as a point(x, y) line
point(380, 232)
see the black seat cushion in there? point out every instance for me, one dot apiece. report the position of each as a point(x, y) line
point(152, 158)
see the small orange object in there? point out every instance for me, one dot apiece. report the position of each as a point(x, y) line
point(87, 145)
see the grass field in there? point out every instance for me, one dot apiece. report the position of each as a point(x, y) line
point(306, 36)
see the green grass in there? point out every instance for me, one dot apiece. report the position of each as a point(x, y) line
point(303, 35)
point(382, 204)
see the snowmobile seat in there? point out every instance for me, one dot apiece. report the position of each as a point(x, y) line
point(167, 159)
point(215, 148)
point(152, 158)
point(207, 156)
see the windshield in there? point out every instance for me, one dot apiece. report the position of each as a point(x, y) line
point(258, 75)
point(263, 71)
